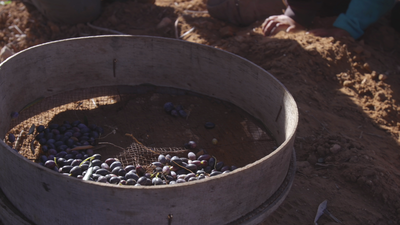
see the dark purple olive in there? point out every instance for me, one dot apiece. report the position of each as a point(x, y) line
point(96, 162)
point(43, 158)
point(81, 126)
point(209, 125)
point(174, 113)
point(201, 176)
point(192, 167)
point(219, 166)
point(94, 134)
point(215, 173)
point(157, 164)
point(212, 162)
point(129, 168)
point(11, 138)
point(131, 175)
point(95, 168)
point(75, 171)
point(157, 181)
point(105, 166)
point(62, 129)
point(84, 167)
point(182, 113)
point(58, 137)
point(121, 172)
point(79, 156)
point(96, 156)
point(192, 144)
point(76, 162)
point(75, 123)
point(102, 179)
point(39, 136)
point(40, 128)
point(168, 107)
point(55, 132)
point(49, 136)
point(61, 154)
point(184, 160)
point(204, 157)
point(114, 180)
point(65, 169)
point(61, 162)
point(142, 181)
point(179, 107)
point(115, 164)
point(109, 161)
point(207, 169)
point(192, 179)
point(42, 141)
point(102, 171)
point(50, 164)
point(116, 169)
point(176, 160)
point(165, 170)
point(52, 151)
point(182, 171)
point(172, 182)
point(130, 182)
point(226, 171)
point(189, 175)
point(69, 142)
point(45, 148)
point(180, 181)
point(68, 134)
point(122, 182)
point(225, 168)
point(162, 159)
point(191, 156)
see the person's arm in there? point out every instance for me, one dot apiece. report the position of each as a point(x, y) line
point(360, 14)
point(303, 11)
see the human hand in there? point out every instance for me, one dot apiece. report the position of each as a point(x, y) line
point(274, 24)
point(330, 32)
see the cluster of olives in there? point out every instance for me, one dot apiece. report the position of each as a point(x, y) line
point(175, 110)
point(167, 170)
point(68, 141)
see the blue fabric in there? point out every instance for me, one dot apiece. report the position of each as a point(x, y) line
point(360, 14)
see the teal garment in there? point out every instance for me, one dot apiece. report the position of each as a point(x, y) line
point(360, 14)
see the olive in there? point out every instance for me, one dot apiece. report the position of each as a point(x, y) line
point(192, 167)
point(121, 172)
point(215, 173)
point(96, 162)
point(102, 179)
point(191, 156)
point(52, 152)
point(122, 182)
point(40, 128)
point(173, 174)
point(75, 171)
point(65, 169)
point(130, 182)
point(89, 152)
point(102, 171)
point(55, 132)
point(142, 181)
point(43, 158)
point(172, 182)
point(11, 138)
point(168, 107)
point(157, 164)
point(176, 160)
point(182, 113)
point(207, 169)
point(209, 125)
point(42, 141)
point(109, 161)
point(201, 176)
point(84, 167)
point(180, 181)
point(61, 154)
point(157, 181)
point(192, 179)
point(39, 136)
point(115, 164)
point(61, 162)
point(78, 156)
point(166, 170)
point(131, 175)
point(115, 170)
point(105, 166)
point(174, 113)
point(68, 134)
point(162, 159)
point(219, 166)
point(115, 180)
point(204, 157)
point(192, 144)
point(76, 162)
point(129, 168)
point(225, 168)
point(50, 164)
point(188, 176)
point(211, 162)
point(95, 168)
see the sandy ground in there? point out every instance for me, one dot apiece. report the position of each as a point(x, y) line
point(347, 93)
